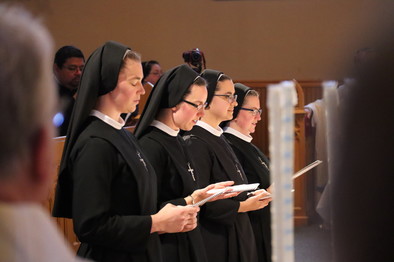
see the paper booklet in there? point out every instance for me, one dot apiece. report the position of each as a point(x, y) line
point(299, 173)
point(306, 169)
point(202, 202)
point(251, 187)
point(237, 188)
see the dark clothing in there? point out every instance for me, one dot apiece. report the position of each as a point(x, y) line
point(227, 234)
point(105, 183)
point(361, 161)
point(114, 194)
point(66, 104)
point(256, 167)
point(176, 179)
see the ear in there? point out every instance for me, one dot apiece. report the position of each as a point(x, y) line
point(174, 109)
point(56, 69)
point(42, 166)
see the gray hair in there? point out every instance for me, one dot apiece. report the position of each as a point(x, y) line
point(130, 55)
point(27, 90)
point(252, 92)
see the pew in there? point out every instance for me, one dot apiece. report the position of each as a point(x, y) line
point(307, 91)
point(65, 225)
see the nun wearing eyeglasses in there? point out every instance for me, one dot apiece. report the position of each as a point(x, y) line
point(225, 225)
point(176, 103)
point(255, 164)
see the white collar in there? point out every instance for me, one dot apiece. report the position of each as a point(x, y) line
point(163, 127)
point(238, 134)
point(106, 119)
point(216, 132)
point(149, 83)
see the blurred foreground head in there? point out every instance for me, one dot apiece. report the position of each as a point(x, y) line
point(27, 101)
point(363, 173)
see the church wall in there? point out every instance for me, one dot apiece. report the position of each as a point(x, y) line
point(251, 40)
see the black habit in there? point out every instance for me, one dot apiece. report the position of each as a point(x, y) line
point(256, 167)
point(227, 234)
point(105, 182)
point(114, 194)
point(176, 179)
point(176, 176)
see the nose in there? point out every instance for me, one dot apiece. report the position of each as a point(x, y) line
point(201, 113)
point(78, 71)
point(258, 117)
point(142, 89)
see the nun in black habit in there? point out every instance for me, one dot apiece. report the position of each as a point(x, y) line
point(106, 185)
point(254, 162)
point(224, 224)
point(177, 102)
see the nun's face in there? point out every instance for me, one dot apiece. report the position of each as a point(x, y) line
point(223, 103)
point(129, 89)
point(185, 114)
point(246, 120)
point(154, 74)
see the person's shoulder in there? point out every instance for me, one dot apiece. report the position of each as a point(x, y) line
point(230, 137)
point(28, 230)
point(197, 133)
point(151, 142)
point(93, 139)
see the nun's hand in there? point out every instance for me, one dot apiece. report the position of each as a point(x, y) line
point(256, 201)
point(173, 219)
point(270, 189)
point(202, 194)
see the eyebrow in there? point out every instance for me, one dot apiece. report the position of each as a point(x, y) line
point(135, 77)
point(74, 65)
point(198, 101)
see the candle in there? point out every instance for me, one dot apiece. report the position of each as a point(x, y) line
point(281, 100)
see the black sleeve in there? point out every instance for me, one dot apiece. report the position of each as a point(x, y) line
point(93, 169)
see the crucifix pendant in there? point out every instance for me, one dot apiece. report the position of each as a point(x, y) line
point(191, 171)
point(142, 160)
point(264, 164)
point(239, 172)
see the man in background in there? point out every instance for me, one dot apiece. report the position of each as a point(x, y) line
point(67, 67)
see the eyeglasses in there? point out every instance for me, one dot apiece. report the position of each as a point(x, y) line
point(254, 111)
point(73, 68)
point(199, 107)
point(156, 73)
point(230, 98)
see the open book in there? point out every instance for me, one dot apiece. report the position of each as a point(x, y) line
point(236, 188)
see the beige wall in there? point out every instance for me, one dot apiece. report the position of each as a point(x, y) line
point(251, 40)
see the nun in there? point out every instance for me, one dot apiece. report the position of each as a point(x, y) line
point(224, 224)
point(254, 163)
point(176, 103)
point(106, 184)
